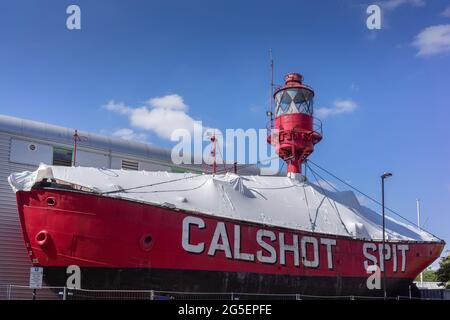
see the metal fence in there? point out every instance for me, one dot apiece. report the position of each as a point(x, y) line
point(16, 292)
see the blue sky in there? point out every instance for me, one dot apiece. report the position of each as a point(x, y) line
point(384, 94)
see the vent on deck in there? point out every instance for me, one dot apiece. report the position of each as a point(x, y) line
point(130, 165)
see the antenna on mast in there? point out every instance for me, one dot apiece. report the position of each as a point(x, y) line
point(76, 138)
point(213, 152)
point(270, 111)
point(214, 140)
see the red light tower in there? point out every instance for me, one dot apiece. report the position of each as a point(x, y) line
point(294, 131)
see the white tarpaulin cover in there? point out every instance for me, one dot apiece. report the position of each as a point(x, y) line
point(272, 200)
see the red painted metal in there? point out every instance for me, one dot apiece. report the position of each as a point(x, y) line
point(293, 133)
point(213, 152)
point(76, 138)
point(96, 231)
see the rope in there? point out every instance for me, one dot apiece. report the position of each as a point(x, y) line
point(173, 190)
point(150, 185)
point(364, 194)
point(176, 180)
point(223, 160)
point(329, 201)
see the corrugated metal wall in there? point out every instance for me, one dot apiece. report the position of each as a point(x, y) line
point(14, 263)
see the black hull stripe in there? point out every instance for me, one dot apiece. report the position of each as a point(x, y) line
point(222, 282)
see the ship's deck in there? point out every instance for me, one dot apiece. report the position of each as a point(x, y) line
point(271, 200)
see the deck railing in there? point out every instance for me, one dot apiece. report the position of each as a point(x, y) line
point(317, 126)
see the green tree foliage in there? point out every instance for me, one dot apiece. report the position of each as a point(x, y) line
point(428, 276)
point(443, 273)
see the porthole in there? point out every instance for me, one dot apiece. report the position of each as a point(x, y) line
point(146, 242)
point(42, 238)
point(51, 201)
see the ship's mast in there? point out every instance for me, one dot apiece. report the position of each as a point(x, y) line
point(76, 138)
point(216, 146)
point(213, 152)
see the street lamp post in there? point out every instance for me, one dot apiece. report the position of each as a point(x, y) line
point(383, 252)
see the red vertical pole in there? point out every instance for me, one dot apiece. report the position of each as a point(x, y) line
point(213, 139)
point(294, 164)
point(75, 138)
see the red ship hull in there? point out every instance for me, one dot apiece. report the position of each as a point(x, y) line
point(121, 244)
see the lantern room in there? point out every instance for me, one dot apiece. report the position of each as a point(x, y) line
point(294, 131)
point(294, 97)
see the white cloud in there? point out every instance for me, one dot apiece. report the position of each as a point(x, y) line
point(172, 102)
point(394, 4)
point(162, 115)
point(129, 134)
point(446, 12)
point(433, 40)
point(339, 107)
point(118, 107)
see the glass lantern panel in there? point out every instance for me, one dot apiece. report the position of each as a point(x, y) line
point(285, 101)
point(294, 100)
